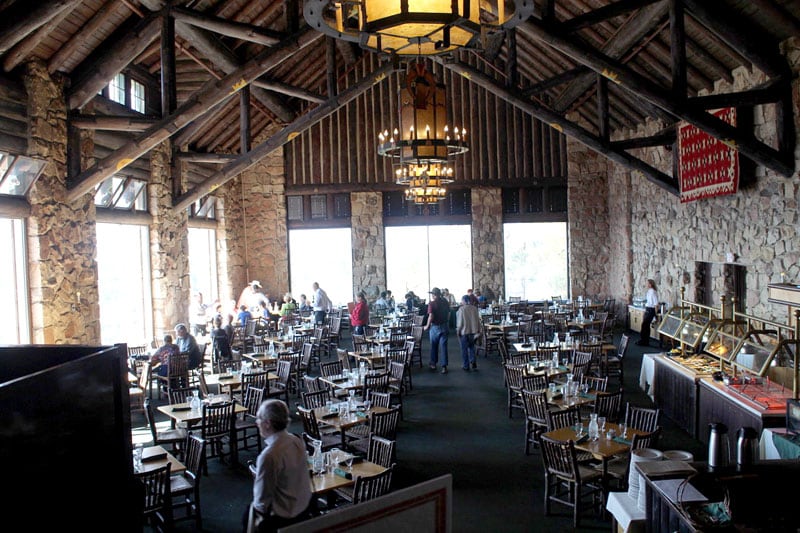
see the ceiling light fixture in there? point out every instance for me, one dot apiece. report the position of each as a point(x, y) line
point(414, 27)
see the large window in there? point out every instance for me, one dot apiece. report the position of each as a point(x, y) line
point(324, 256)
point(203, 263)
point(536, 260)
point(116, 89)
point(15, 327)
point(123, 263)
point(421, 257)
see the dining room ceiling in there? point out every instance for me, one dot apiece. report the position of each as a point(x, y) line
point(548, 66)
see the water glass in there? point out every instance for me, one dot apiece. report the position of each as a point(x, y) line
point(623, 430)
point(137, 457)
point(601, 422)
point(579, 430)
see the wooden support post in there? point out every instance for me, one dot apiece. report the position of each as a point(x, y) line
point(677, 32)
point(602, 108)
point(169, 88)
point(330, 64)
point(244, 119)
point(512, 74)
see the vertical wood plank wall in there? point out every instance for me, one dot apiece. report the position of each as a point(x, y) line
point(506, 145)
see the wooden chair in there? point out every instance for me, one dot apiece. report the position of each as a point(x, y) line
point(397, 383)
point(618, 469)
point(141, 390)
point(177, 374)
point(595, 383)
point(331, 368)
point(641, 418)
point(170, 437)
point(360, 343)
point(570, 416)
point(534, 382)
point(311, 430)
point(334, 334)
point(580, 370)
point(313, 400)
point(514, 385)
point(381, 424)
point(613, 363)
point(181, 395)
point(416, 354)
point(157, 509)
point(185, 486)
point(217, 423)
point(376, 382)
point(280, 388)
point(245, 424)
point(609, 405)
point(370, 487)
point(536, 409)
point(257, 379)
point(381, 452)
point(380, 399)
point(344, 358)
point(566, 481)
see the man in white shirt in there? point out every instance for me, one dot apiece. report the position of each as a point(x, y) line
point(322, 304)
point(281, 488)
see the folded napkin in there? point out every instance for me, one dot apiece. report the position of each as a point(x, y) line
point(154, 457)
point(361, 414)
point(341, 473)
point(225, 376)
point(179, 409)
point(621, 440)
point(587, 396)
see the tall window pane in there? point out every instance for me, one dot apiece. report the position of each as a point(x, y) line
point(203, 263)
point(421, 257)
point(123, 263)
point(324, 256)
point(116, 89)
point(15, 328)
point(535, 260)
point(137, 96)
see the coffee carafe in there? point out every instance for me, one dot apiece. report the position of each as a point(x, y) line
point(719, 449)
point(746, 446)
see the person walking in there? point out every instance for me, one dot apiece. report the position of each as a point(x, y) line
point(359, 316)
point(650, 304)
point(468, 327)
point(438, 316)
point(322, 304)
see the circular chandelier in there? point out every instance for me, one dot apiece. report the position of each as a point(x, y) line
point(422, 144)
point(414, 27)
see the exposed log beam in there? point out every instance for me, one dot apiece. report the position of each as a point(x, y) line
point(245, 161)
point(229, 28)
point(667, 137)
point(745, 142)
point(630, 33)
point(13, 143)
point(244, 119)
point(197, 157)
point(602, 108)
point(330, 65)
point(758, 48)
point(555, 81)
point(21, 19)
point(169, 84)
point(113, 58)
point(567, 127)
point(512, 71)
point(22, 50)
point(14, 207)
point(212, 94)
point(677, 33)
point(769, 93)
point(221, 56)
point(199, 124)
point(288, 90)
point(121, 123)
point(620, 7)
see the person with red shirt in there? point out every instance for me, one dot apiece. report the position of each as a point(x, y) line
point(359, 316)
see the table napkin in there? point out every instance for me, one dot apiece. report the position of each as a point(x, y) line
point(587, 396)
point(341, 473)
point(621, 440)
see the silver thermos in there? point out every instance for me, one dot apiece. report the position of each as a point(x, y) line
point(719, 451)
point(746, 446)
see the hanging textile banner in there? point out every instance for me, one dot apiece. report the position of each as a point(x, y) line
point(707, 167)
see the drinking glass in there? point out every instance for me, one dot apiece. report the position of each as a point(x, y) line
point(601, 421)
point(623, 430)
point(137, 457)
point(579, 430)
point(349, 460)
point(585, 388)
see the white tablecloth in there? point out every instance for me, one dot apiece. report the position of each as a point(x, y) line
point(768, 450)
point(647, 374)
point(626, 512)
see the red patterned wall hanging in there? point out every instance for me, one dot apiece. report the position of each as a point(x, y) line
point(707, 166)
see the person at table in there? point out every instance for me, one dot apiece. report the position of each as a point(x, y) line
point(390, 300)
point(321, 304)
point(381, 305)
point(188, 344)
point(303, 304)
point(650, 303)
point(160, 359)
point(221, 342)
point(252, 296)
point(481, 299)
point(359, 316)
point(438, 317)
point(281, 488)
point(288, 307)
point(244, 316)
point(469, 328)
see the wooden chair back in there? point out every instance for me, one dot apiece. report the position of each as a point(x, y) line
point(344, 358)
point(534, 382)
point(331, 368)
point(385, 424)
point(376, 382)
point(310, 424)
point(380, 399)
point(182, 395)
point(157, 501)
point(641, 418)
point(381, 451)
point(595, 383)
point(571, 416)
point(313, 400)
point(217, 420)
point(609, 405)
point(370, 487)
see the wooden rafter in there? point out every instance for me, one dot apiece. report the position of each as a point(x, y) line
point(209, 96)
point(22, 19)
point(237, 30)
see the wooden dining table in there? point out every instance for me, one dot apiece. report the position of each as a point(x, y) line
point(182, 413)
point(154, 457)
point(372, 360)
point(342, 424)
point(232, 380)
point(333, 479)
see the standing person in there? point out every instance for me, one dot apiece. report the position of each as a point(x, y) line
point(650, 303)
point(438, 316)
point(321, 304)
point(220, 342)
point(447, 295)
point(188, 344)
point(199, 315)
point(468, 327)
point(390, 299)
point(359, 316)
point(281, 489)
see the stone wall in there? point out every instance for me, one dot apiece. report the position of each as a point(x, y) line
point(588, 222)
point(61, 235)
point(369, 243)
point(263, 231)
point(488, 260)
point(169, 247)
point(758, 224)
point(231, 260)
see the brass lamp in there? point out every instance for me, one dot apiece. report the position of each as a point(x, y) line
point(414, 27)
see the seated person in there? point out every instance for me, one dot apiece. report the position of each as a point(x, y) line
point(304, 305)
point(221, 342)
point(381, 305)
point(188, 344)
point(244, 315)
point(160, 359)
point(288, 307)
